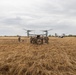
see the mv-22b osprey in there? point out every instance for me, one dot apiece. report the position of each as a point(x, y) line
point(36, 38)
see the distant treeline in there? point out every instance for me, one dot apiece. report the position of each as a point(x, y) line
point(70, 35)
point(12, 36)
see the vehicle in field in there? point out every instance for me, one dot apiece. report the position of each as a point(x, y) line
point(38, 39)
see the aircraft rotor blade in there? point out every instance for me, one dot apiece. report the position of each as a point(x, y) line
point(28, 30)
point(50, 29)
point(46, 30)
point(25, 29)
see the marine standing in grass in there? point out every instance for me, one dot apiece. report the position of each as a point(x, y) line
point(19, 38)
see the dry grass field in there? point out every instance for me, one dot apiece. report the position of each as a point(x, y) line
point(22, 58)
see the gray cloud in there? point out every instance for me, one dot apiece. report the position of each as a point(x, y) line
point(13, 21)
point(60, 15)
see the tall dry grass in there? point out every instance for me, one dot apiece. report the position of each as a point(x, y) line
point(22, 58)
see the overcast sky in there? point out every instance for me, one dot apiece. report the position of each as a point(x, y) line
point(59, 15)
